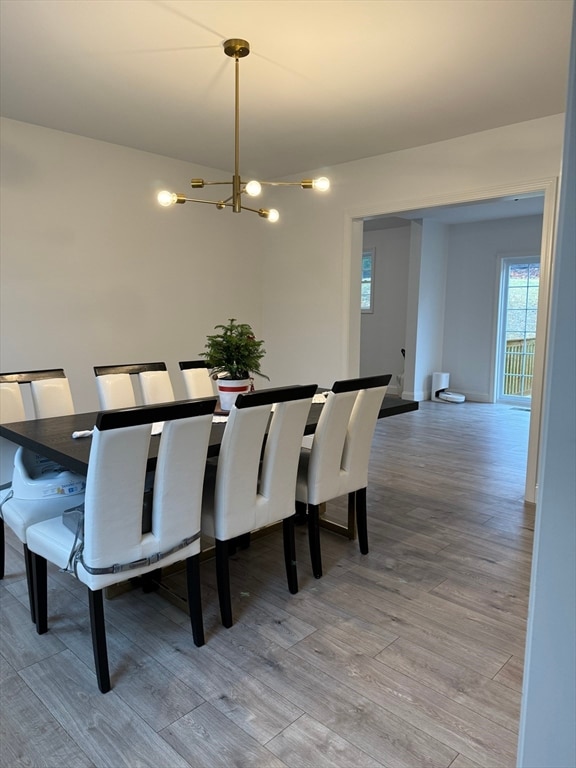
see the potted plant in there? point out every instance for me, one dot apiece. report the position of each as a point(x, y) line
point(233, 355)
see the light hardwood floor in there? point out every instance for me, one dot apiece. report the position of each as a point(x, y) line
point(408, 657)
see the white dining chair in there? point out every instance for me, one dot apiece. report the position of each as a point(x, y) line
point(253, 483)
point(11, 409)
point(35, 488)
point(197, 379)
point(337, 463)
point(115, 388)
point(105, 544)
point(156, 386)
point(52, 396)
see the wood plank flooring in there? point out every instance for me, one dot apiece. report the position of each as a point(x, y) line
point(409, 657)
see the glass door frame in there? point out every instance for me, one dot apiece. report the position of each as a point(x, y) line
point(504, 262)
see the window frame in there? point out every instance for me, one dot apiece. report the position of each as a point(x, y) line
point(505, 263)
point(371, 253)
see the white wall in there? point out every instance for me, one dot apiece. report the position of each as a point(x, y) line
point(471, 296)
point(383, 332)
point(547, 736)
point(430, 319)
point(95, 272)
point(412, 302)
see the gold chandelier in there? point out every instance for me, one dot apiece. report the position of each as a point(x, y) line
point(238, 49)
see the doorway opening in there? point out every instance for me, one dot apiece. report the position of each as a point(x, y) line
point(376, 216)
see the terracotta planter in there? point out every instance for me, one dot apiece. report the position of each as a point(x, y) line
point(228, 391)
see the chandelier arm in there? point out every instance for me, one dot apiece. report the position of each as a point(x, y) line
point(281, 183)
point(265, 213)
point(211, 183)
point(303, 184)
point(241, 192)
point(208, 202)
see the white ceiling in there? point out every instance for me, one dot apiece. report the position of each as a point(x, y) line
point(326, 82)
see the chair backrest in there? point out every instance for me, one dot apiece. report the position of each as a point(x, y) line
point(11, 402)
point(11, 409)
point(115, 388)
point(325, 458)
point(356, 454)
point(332, 448)
point(156, 387)
point(197, 379)
point(258, 460)
point(51, 396)
point(116, 478)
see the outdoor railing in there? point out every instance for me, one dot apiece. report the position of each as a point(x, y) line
point(519, 367)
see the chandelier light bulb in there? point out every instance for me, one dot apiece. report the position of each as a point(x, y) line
point(322, 184)
point(273, 215)
point(166, 198)
point(253, 188)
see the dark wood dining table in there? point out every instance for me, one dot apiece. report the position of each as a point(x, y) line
point(52, 438)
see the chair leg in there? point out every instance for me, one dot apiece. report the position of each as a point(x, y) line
point(96, 603)
point(2, 550)
point(39, 589)
point(352, 516)
point(300, 516)
point(290, 554)
point(30, 581)
point(361, 520)
point(239, 542)
point(314, 539)
point(195, 598)
point(223, 582)
point(243, 541)
point(151, 581)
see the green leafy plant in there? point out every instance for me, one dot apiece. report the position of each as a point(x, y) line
point(234, 351)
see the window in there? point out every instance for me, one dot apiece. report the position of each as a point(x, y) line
point(367, 295)
point(520, 282)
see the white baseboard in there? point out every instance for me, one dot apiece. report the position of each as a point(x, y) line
point(418, 396)
point(477, 397)
point(473, 397)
